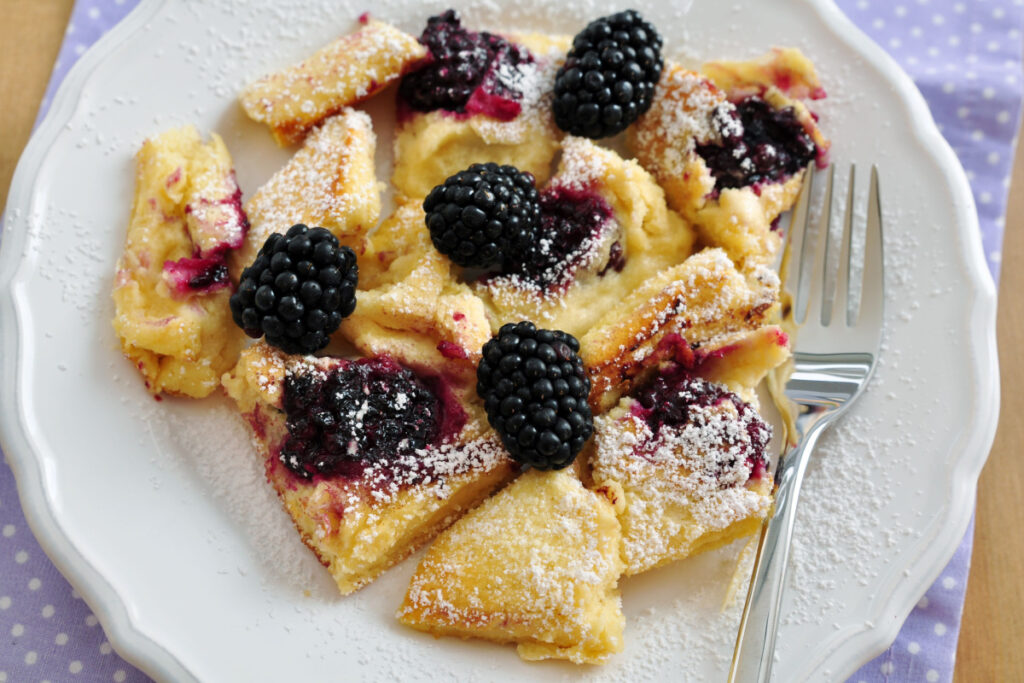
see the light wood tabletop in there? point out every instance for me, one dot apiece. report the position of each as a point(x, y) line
point(993, 624)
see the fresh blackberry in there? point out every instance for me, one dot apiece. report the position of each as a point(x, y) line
point(535, 393)
point(484, 215)
point(608, 77)
point(461, 61)
point(297, 290)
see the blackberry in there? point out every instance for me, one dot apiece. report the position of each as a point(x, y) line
point(759, 144)
point(571, 219)
point(484, 215)
point(362, 412)
point(535, 393)
point(461, 61)
point(608, 77)
point(297, 290)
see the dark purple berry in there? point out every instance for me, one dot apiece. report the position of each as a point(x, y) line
point(675, 398)
point(484, 215)
point(295, 302)
point(759, 144)
point(462, 61)
point(524, 378)
point(608, 77)
point(571, 220)
point(361, 412)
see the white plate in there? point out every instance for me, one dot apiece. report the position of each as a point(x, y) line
point(157, 512)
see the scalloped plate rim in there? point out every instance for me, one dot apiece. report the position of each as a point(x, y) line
point(148, 655)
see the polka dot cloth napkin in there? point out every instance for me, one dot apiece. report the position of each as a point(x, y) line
point(966, 59)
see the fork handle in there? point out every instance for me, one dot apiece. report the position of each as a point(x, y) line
point(755, 642)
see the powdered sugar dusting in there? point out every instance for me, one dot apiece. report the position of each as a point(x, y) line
point(338, 75)
point(699, 467)
point(534, 81)
point(684, 113)
point(536, 563)
point(323, 185)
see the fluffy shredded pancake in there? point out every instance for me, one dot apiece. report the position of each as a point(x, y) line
point(339, 75)
point(171, 288)
point(536, 565)
point(331, 182)
point(660, 265)
point(360, 525)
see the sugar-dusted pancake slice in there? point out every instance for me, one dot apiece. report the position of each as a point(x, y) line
point(339, 75)
point(371, 458)
point(480, 97)
point(171, 289)
point(730, 145)
point(411, 300)
point(689, 459)
point(330, 182)
point(536, 565)
point(686, 313)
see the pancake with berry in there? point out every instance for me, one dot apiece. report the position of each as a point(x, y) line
point(674, 371)
point(703, 310)
point(605, 228)
point(730, 146)
point(370, 457)
point(330, 182)
point(172, 286)
point(689, 460)
point(480, 97)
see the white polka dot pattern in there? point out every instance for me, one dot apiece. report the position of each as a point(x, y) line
point(966, 59)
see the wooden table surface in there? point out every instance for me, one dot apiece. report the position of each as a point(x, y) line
point(993, 625)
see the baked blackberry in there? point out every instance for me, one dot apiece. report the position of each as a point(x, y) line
point(570, 221)
point(760, 144)
point(297, 290)
point(484, 215)
point(675, 399)
point(535, 393)
point(461, 61)
point(364, 411)
point(608, 77)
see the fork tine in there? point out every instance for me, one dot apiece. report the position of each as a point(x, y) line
point(842, 278)
point(812, 259)
point(872, 297)
point(793, 252)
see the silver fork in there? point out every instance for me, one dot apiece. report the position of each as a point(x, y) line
point(833, 361)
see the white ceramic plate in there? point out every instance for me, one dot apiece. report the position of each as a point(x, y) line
point(157, 512)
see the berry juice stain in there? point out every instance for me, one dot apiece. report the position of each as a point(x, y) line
point(669, 401)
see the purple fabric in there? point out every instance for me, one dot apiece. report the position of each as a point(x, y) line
point(966, 59)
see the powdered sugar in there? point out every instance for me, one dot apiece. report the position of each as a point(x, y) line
point(682, 481)
point(328, 183)
point(534, 81)
point(852, 525)
point(685, 112)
